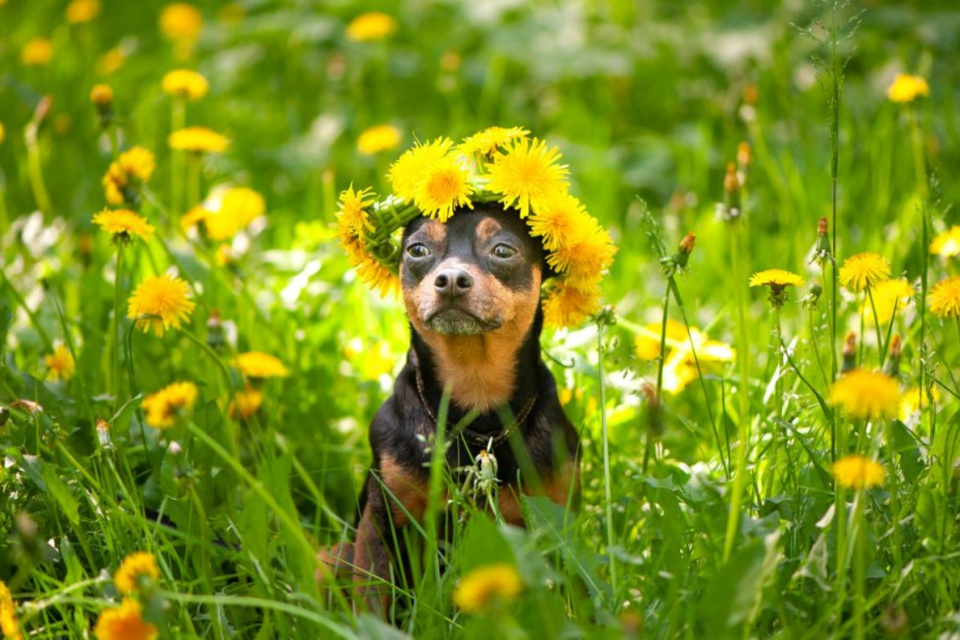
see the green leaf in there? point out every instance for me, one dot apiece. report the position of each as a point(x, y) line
point(734, 595)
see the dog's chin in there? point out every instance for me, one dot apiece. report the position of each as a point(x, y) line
point(456, 322)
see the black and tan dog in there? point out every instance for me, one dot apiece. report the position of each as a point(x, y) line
point(471, 288)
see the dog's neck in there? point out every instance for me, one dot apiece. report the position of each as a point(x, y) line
point(483, 372)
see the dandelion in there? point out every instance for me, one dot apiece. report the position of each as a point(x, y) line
point(947, 244)
point(246, 403)
point(913, 399)
point(866, 395)
point(239, 206)
point(559, 221)
point(444, 187)
point(181, 21)
point(136, 567)
point(777, 280)
point(101, 96)
point(371, 26)
point(378, 138)
point(123, 224)
point(80, 11)
point(352, 218)
point(490, 140)
point(2, 133)
point(857, 472)
point(111, 62)
point(198, 140)
point(679, 368)
point(160, 302)
point(124, 623)
point(588, 254)
point(60, 363)
point(863, 270)
point(567, 306)
point(9, 622)
point(906, 88)
point(528, 175)
point(407, 172)
point(164, 406)
point(945, 298)
point(259, 365)
point(889, 296)
point(194, 217)
point(37, 52)
point(124, 176)
point(485, 586)
point(184, 83)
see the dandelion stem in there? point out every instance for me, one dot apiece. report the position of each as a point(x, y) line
point(115, 334)
point(876, 322)
point(608, 499)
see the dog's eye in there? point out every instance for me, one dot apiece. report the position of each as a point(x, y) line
point(418, 250)
point(504, 251)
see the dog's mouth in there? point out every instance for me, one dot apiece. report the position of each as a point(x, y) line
point(456, 321)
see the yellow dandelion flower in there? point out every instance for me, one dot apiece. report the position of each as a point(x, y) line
point(679, 368)
point(130, 170)
point(160, 302)
point(444, 187)
point(101, 96)
point(352, 218)
point(2, 133)
point(80, 11)
point(371, 26)
point(947, 244)
point(139, 565)
point(60, 364)
point(111, 62)
point(528, 175)
point(381, 137)
point(124, 623)
point(256, 364)
point(184, 83)
point(567, 306)
point(910, 403)
point(488, 141)
point(857, 472)
point(889, 296)
point(37, 52)
point(408, 171)
point(560, 220)
point(181, 21)
point(193, 217)
point(775, 278)
point(945, 298)
point(137, 163)
point(863, 270)
point(375, 274)
point(866, 395)
point(906, 88)
point(123, 224)
point(242, 204)
point(584, 262)
point(163, 407)
point(246, 403)
point(485, 586)
point(198, 140)
point(9, 622)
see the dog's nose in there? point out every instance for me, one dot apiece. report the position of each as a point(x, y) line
point(453, 282)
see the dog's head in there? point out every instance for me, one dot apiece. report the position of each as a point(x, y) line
point(478, 273)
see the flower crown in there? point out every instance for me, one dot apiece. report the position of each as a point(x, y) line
point(495, 165)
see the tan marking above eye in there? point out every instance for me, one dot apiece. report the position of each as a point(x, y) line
point(487, 228)
point(435, 231)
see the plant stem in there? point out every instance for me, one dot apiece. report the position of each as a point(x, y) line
point(115, 334)
point(743, 349)
point(608, 499)
point(876, 322)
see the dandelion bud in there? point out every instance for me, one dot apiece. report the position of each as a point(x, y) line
point(730, 182)
point(849, 352)
point(892, 367)
point(744, 155)
point(730, 208)
point(813, 296)
point(215, 335)
point(751, 93)
point(821, 251)
point(103, 433)
point(102, 96)
point(688, 242)
point(654, 411)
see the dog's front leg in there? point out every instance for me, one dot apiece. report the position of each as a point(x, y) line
point(394, 496)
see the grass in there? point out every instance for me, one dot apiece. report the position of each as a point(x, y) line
point(708, 504)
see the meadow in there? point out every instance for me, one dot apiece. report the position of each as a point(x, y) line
point(767, 397)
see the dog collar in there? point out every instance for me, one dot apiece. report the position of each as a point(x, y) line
point(486, 440)
point(438, 179)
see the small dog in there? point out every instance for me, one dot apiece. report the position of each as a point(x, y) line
point(471, 288)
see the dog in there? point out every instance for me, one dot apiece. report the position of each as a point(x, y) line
point(471, 288)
